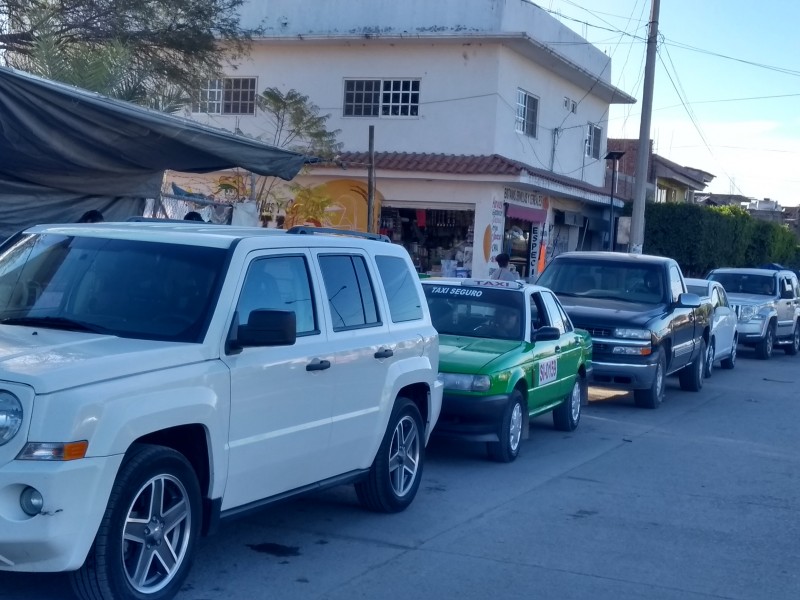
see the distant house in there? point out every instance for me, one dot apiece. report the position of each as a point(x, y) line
point(667, 181)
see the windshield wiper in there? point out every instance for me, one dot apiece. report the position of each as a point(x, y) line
point(53, 323)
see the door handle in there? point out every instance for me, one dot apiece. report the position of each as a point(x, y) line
point(384, 353)
point(558, 348)
point(318, 365)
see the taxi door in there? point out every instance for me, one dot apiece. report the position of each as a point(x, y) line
point(568, 349)
point(545, 359)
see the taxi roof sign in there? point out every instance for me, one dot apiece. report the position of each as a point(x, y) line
point(494, 283)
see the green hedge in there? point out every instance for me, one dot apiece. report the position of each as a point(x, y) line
point(702, 238)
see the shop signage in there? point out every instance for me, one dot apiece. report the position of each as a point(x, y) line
point(531, 199)
point(535, 241)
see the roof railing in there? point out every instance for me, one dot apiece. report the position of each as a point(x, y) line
point(300, 229)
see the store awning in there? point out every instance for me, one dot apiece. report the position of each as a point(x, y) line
point(534, 215)
point(60, 144)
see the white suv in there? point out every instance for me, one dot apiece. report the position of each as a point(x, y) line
point(158, 377)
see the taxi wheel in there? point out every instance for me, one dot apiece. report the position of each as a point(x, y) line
point(567, 415)
point(146, 541)
point(507, 449)
point(730, 362)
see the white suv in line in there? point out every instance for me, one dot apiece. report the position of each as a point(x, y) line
point(157, 377)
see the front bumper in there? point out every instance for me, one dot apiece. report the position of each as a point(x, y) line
point(623, 375)
point(75, 496)
point(473, 418)
point(752, 331)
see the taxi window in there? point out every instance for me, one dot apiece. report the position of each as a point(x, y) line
point(553, 312)
point(476, 311)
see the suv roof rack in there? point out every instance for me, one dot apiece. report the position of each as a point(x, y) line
point(332, 230)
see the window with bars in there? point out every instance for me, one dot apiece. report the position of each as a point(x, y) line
point(227, 96)
point(381, 98)
point(527, 113)
point(593, 139)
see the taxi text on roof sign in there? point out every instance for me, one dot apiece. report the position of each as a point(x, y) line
point(495, 283)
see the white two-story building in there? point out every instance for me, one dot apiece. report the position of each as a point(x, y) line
point(489, 122)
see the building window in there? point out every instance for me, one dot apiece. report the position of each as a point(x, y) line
point(593, 140)
point(381, 98)
point(527, 113)
point(228, 96)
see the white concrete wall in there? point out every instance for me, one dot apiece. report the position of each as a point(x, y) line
point(468, 96)
point(292, 18)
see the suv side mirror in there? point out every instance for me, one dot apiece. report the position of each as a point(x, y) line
point(269, 328)
point(787, 294)
point(546, 334)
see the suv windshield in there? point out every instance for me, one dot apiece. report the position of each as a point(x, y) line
point(134, 289)
point(614, 280)
point(475, 312)
point(746, 283)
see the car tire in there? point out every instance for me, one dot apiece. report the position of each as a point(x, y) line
point(765, 347)
point(396, 471)
point(730, 361)
point(653, 396)
point(510, 433)
point(567, 415)
point(692, 375)
point(137, 539)
point(708, 367)
point(794, 347)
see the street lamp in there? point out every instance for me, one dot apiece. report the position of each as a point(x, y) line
point(614, 155)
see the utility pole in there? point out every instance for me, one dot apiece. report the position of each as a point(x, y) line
point(643, 155)
point(371, 181)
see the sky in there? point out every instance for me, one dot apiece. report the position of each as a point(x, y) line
point(727, 85)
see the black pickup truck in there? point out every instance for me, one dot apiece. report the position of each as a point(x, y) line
point(644, 324)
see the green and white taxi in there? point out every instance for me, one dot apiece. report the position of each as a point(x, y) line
point(507, 352)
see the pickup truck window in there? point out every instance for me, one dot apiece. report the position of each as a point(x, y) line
point(132, 289)
point(675, 282)
point(613, 280)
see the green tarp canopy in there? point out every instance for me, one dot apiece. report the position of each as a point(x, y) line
point(64, 150)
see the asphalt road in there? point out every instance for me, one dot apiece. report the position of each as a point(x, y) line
point(698, 499)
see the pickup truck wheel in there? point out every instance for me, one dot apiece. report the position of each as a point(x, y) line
point(691, 376)
point(395, 473)
point(567, 415)
point(709, 361)
point(765, 347)
point(146, 540)
point(653, 396)
point(510, 433)
point(793, 348)
point(730, 362)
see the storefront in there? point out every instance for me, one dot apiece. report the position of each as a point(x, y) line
point(524, 229)
point(439, 241)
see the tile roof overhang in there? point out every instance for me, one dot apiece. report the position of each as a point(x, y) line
point(480, 168)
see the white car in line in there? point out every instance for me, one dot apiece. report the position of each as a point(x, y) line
point(724, 323)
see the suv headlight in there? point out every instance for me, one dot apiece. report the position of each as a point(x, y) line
point(10, 416)
point(749, 311)
point(465, 383)
point(632, 334)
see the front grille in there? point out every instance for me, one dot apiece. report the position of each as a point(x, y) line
point(598, 332)
point(735, 308)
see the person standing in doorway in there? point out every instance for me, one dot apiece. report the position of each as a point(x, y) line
point(503, 272)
